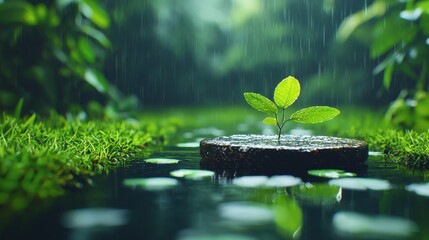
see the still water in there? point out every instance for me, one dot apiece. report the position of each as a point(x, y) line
point(216, 208)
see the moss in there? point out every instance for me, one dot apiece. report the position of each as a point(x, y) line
point(40, 159)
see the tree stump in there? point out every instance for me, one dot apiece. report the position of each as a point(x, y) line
point(261, 154)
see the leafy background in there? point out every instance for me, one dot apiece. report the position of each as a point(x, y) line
point(107, 58)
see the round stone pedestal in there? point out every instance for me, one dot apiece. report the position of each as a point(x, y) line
point(261, 154)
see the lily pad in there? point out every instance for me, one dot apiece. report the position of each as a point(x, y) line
point(95, 217)
point(264, 181)
point(353, 224)
point(421, 189)
point(317, 194)
point(188, 145)
point(161, 161)
point(151, 184)
point(213, 236)
point(372, 153)
point(361, 183)
point(282, 181)
point(193, 174)
point(250, 181)
point(331, 173)
point(246, 213)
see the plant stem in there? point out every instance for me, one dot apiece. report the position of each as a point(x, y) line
point(280, 125)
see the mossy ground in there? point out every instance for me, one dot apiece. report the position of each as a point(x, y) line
point(40, 159)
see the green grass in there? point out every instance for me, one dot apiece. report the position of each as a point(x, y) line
point(40, 159)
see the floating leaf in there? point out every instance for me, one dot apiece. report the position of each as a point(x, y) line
point(161, 161)
point(188, 235)
point(264, 181)
point(331, 173)
point(250, 181)
point(260, 103)
point(315, 114)
point(246, 213)
point(372, 153)
point(421, 189)
point(193, 174)
point(95, 217)
point(282, 181)
point(188, 145)
point(286, 92)
point(153, 184)
point(353, 224)
point(361, 183)
point(270, 121)
point(319, 193)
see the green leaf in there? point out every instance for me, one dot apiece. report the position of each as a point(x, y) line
point(17, 12)
point(161, 161)
point(93, 11)
point(386, 35)
point(315, 114)
point(387, 77)
point(96, 79)
point(96, 35)
point(351, 23)
point(86, 49)
point(331, 173)
point(30, 120)
point(270, 121)
point(286, 92)
point(192, 174)
point(151, 184)
point(288, 216)
point(18, 108)
point(260, 103)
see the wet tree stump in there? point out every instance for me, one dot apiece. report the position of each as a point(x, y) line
point(259, 154)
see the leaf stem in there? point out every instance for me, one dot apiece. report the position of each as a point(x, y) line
point(280, 125)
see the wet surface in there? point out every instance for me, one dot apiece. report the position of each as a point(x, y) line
point(263, 154)
point(222, 208)
point(287, 142)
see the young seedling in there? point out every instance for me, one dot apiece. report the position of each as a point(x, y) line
point(286, 92)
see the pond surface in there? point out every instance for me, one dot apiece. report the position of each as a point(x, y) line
point(240, 208)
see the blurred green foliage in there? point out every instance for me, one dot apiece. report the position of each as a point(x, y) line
point(199, 52)
point(397, 33)
point(51, 54)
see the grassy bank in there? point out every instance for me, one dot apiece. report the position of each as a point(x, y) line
point(44, 158)
point(40, 159)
